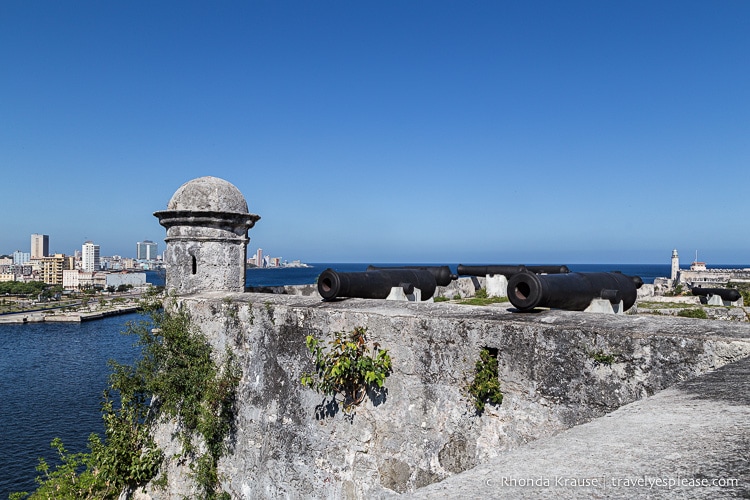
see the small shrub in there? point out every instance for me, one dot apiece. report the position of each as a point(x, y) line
point(485, 388)
point(441, 299)
point(348, 368)
point(693, 313)
point(601, 358)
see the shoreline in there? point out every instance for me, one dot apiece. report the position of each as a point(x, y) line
point(68, 317)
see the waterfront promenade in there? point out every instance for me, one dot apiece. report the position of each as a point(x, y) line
point(91, 311)
point(58, 317)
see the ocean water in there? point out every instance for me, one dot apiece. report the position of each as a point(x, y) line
point(52, 375)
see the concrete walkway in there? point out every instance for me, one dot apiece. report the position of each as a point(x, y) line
point(688, 441)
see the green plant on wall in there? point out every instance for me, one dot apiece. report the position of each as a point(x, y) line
point(485, 388)
point(693, 313)
point(481, 298)
point(194, 388)
point(602, 358)
point(347, 368)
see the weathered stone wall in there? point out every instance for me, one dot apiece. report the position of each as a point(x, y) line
point(425, 428)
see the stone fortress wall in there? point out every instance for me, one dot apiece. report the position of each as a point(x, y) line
point(424, 429)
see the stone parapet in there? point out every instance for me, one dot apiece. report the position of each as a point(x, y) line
point(557, 370)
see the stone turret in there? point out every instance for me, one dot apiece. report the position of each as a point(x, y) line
point(207, 222)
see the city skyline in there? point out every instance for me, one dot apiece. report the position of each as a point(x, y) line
point(81, 249)
point(574, 132)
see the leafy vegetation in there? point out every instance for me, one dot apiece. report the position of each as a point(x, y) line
point(693, 313)
point(675, 291)
point(23, 288)
point(348, 368)
point(664, 305)
point(485, 388)
point(176, 377)
point(601, 358)
point(480, 298)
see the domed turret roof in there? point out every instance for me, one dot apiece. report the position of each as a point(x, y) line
point(208, 194)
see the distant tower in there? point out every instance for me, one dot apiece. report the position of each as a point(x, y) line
point(39, 246)
point(675, 265)
point(207, 222)
point(90, 260)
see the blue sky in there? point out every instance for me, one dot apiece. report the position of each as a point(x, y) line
point(409, 131)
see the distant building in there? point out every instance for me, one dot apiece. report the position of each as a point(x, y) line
point(699, 275)
point(39, 246)
point(80, 280)
point(127, 263)
point(71, 279)
point(90, 257)
point(20, 258)
point(146, 250)
point(698, 266)
point(126, 278)
point(51, 269)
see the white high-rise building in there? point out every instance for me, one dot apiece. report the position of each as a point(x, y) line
point(146, 250)
point(90, 257)
point(39, 246)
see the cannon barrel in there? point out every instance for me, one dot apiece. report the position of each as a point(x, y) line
point(509, 270)
point(443, 275)
point(375, 284)
point(571, 291)
point(728, 294)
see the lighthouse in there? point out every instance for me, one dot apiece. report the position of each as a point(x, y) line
point(675, 266)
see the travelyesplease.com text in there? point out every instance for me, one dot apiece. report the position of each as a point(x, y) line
point(603, 482)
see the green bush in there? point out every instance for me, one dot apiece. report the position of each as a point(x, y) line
point(693, 313)
point(485, 388)
point(601, 358)
point(348, 368)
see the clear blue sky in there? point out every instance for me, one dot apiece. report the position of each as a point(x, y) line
point(392, 131)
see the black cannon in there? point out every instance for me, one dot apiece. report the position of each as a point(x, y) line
point(443, 275)
point(571, 291)
point(375, 284)
point(508, 270)
point(727, 294)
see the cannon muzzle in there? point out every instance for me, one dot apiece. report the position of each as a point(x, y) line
point(570, 291)
point(375, 284)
